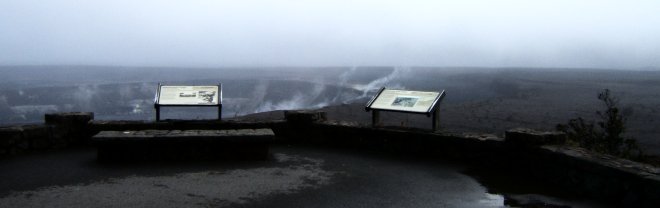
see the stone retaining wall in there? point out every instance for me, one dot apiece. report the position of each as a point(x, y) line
point(537, 155)
point(59, 130)
point(523, 154)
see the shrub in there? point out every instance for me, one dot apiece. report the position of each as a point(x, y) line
point(605, 135)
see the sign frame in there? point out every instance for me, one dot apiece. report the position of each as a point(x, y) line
point(431, 111)
point(218, 104)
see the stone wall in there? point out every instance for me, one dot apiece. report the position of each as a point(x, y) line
point(522, 153)
point(59, 130)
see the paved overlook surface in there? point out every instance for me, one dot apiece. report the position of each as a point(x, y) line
point(293, 177)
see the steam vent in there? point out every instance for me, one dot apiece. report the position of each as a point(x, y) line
point(304, 160)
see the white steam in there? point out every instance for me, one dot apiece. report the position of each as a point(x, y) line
point(346, 92)
point(386, 81)
point(299, 100)
point(83, 96)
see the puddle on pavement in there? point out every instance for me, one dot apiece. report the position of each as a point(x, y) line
point(520, 191)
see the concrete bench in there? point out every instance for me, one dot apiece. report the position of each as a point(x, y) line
point(183, 144)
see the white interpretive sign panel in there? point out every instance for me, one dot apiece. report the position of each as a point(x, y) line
point(417, 102)
point(188, 95)
point(404, 100)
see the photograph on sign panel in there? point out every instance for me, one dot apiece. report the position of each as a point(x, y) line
point(207, 96)
point(405, 101)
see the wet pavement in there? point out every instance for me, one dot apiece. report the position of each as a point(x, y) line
point(293, 177)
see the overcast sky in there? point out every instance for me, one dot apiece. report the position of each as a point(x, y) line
point(216, 33)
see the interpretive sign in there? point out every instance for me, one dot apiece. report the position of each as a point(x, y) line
point(403, 100)
point(419, 102)
point(181, 95)
point(188, 95)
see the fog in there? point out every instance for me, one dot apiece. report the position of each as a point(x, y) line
point(207, 33)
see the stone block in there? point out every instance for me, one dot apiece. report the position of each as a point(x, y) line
point(183, 144)
point(38, 136)
point(22, 145)
point(10, 136)
point(530, 137)
point(107, 125)
point(70, 127)
point(11, 141)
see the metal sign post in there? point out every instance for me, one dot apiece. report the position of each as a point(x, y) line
point(188, 96)
point(415, 102)
point(436, 118)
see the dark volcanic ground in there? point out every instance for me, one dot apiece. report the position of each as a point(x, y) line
point(489, 100)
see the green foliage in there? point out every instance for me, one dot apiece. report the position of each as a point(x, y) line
point(605, 135)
